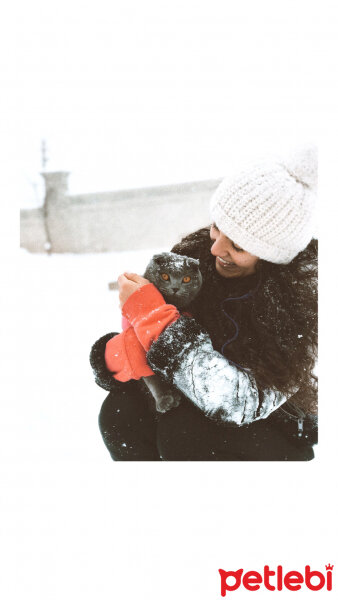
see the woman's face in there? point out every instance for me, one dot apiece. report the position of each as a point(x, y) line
point(231, 260)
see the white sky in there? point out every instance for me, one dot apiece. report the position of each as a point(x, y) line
point(131, 94)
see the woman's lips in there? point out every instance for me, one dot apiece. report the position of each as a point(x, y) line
point(225, 263)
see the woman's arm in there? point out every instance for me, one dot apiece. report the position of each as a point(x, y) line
point(181, 351)
point(184, 355)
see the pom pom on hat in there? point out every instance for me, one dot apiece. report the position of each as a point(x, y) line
point(302, 165)
point(268, 207)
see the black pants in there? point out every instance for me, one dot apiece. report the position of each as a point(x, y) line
point(132, 431)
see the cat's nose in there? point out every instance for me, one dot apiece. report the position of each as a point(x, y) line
point(175, 290)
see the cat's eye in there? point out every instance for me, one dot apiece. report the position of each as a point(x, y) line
point(186, 279)
point(165, 276)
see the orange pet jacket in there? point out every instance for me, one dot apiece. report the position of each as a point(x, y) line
point(147, 316)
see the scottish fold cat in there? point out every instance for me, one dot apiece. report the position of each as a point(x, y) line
point(179, 280)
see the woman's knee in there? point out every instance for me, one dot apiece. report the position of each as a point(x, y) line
point(127, 426)
point(186, 434)
point(122, 406)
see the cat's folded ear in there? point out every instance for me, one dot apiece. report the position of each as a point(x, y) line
point(156, 257)
point(190, 260)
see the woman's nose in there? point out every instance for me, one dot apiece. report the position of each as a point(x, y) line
point(220, 247)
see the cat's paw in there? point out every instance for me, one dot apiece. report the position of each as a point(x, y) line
point(167, 402)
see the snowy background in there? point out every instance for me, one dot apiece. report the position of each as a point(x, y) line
point(137, 94)
point(131, 94)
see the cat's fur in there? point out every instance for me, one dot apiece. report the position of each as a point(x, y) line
point(181, 294)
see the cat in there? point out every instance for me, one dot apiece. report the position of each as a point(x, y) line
point(179, 280)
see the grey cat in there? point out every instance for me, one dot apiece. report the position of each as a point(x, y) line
point(179, 280)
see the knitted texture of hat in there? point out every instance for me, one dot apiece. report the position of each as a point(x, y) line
point(268, 208)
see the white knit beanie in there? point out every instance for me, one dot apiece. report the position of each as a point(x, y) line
point(268, 208)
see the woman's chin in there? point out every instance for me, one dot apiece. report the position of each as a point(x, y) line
point(228, 272)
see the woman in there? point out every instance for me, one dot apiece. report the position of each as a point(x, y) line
point(244, 361)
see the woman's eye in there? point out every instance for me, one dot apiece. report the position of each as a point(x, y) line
point(165, 276)
point(214, 226)
point(186, 279)
point(237, 248)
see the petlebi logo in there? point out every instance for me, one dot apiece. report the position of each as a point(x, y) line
point(276, 579)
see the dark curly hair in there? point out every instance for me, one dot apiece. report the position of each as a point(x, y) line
point(275, 313)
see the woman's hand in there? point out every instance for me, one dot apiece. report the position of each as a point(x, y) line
point(128, 284)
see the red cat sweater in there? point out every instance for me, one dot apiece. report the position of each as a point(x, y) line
point(147, 316)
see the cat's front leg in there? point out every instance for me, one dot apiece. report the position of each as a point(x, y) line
point(165, 395)
point(170, 400)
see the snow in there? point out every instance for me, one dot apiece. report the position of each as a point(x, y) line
point(53, 453)
point(117, 114)
point(67, 306)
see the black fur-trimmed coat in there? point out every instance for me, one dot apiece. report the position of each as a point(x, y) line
point(193, 354)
